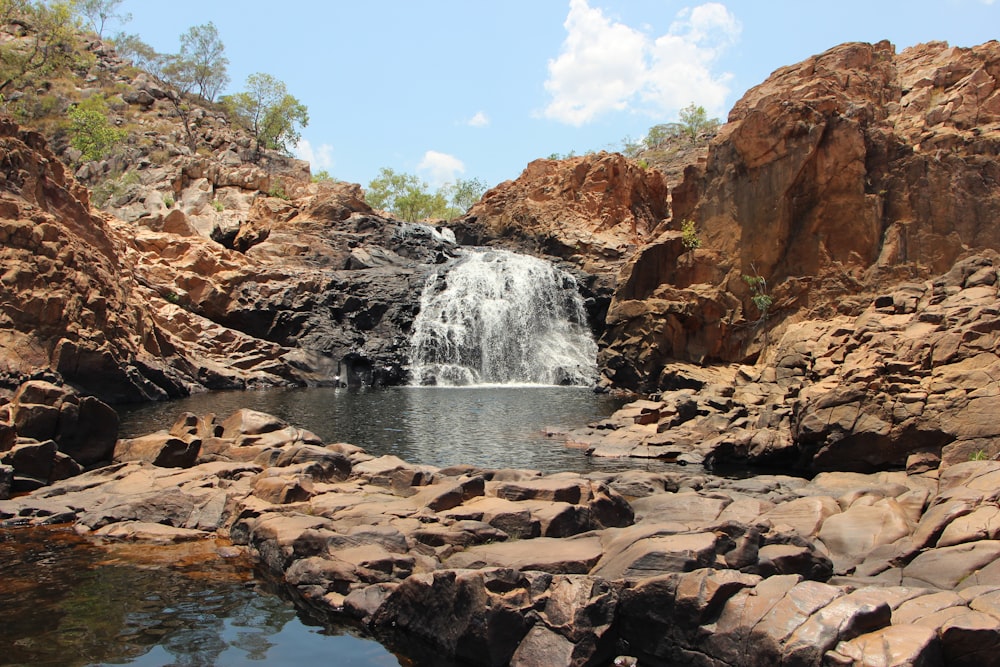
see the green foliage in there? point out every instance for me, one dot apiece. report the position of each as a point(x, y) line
point(759, 295)
point(218, 206)
point(268, 112)
point(113, 187)
point(46, 44)
point(323, 175)
point(139, 52)
point(407, 197)
point(693, 123)
point(631, 148)
point(202, 56)
point(90, 131)
point(97, 13)
point(277, 190)
point(689, 236)
point(466, 192)
point(979, 455)
point(168, 201)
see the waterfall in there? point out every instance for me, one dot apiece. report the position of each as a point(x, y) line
point(496, 317)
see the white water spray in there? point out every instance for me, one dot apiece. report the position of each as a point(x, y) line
point(496, 317)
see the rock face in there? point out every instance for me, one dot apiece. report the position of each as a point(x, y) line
point(67, 304)
point(498, 567)
point(907, 380)
point(312, 290)
point(592, 210)
point(48, 433)
point(853, 170)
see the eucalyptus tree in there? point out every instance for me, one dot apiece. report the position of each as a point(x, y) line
point(99, 12)
point(269, 112)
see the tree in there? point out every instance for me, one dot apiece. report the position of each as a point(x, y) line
point(465, 193)
point(99, 12)
point(694, 121)
point(760, 297)
point(139, 52)
point(268, 112)
point(90, 131)
point(388, 186)
point(202, 54)
point(46, 42)
point(408, 197)
point(690, 238)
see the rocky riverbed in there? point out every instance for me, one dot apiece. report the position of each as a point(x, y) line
point(496, 567)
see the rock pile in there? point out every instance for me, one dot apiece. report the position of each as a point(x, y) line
point(499, 567)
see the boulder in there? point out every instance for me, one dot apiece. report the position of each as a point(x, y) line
point(81, 426)
point(160, 449)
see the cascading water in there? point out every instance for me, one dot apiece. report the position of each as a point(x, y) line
point(496, 317)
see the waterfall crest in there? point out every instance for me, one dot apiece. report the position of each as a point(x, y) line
point(496, 317)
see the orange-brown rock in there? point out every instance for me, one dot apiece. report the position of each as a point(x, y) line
point(679, 581)
point(854, 169)
point(592, 209)
point(67, 301)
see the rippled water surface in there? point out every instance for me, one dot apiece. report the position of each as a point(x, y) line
point(491, 426)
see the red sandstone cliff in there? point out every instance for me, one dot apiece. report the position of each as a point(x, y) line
point(851, 171)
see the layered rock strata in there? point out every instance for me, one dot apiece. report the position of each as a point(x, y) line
point(910, 377)
point(497, 567)
point(836, 178)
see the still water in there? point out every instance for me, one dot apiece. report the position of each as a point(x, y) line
point(71, 602)
point(492, 426)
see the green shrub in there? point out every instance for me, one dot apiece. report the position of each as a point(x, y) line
point(90, 131)
point(758, 289)
point(689, 236)
point(115, 185)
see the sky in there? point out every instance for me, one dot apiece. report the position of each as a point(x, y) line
point(462, 89)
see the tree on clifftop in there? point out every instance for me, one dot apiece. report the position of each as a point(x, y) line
point(693, 122)
point(99, 12)
point(203, 55)
point(409, 198)
point(268, 112)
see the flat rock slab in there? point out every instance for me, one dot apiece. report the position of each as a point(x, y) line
point(545, 554)
point(951, 567)
point(150, 532)
point(659, 555)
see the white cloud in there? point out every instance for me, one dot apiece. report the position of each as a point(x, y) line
point(480, 119)
point(440, 168)
point(608, 66)
point(319, 158)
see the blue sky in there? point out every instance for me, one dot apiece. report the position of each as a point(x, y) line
point(451, 89)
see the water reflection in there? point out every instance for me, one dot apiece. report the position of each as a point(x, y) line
point(491, 426)
point(70, 602)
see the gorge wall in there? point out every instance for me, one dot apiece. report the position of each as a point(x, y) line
point(837, 178)
point(852, 171)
